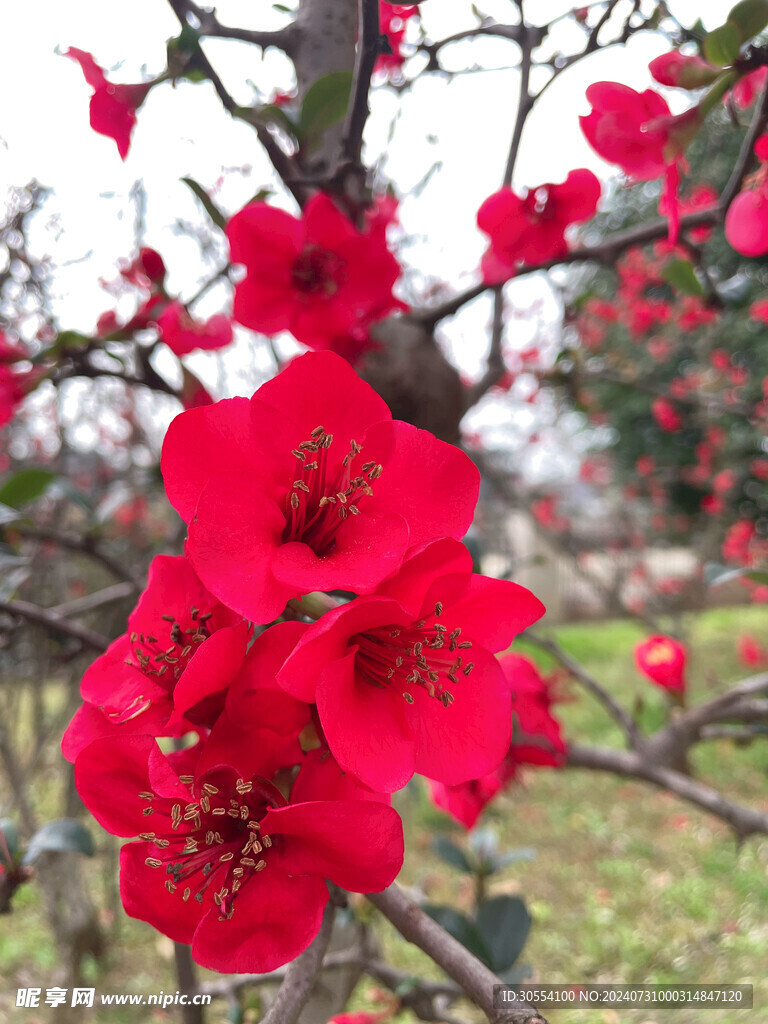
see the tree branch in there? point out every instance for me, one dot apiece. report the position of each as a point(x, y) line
point(84, 545)
point(300, 976)
point(55, 623)
point(745, 821)
point(365, 58)
point(475, 978)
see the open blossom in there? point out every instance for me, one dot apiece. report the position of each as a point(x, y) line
point(531, 229)
point(182, 334)
point(537, 739)
point(310, 485)
point(113, 107)
point(223, 861)
point(405, 680)
point(638, 132)
point(663, 660)
point(181, 649)
point(317, 277)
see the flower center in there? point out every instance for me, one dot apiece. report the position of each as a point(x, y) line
point(166, 664)
point(325, 495)
point(318, 272)
point(422, 654)
point(214, 841)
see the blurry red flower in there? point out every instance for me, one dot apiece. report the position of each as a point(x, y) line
point(113, 107)
point(666, 415)
point(663, 660)
point(223, 862)
point(532, 229)
point(683, 71)
point(182, 334)
point(751, 653)
point(747, 88)
point(746, 220)
point(391, 680)
point(392, 23)
point(317, 277)
point(638, 132)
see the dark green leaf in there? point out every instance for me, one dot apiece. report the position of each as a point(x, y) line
point(450, 853)
point(9, 843)
point(751, 16)
point(682, 276)
point(210, 207)
point(71, 340)
point(24, 486)
point(722, 45)
point(461, 928)
point(64, 835)
point(325, 104)
point(503, 923)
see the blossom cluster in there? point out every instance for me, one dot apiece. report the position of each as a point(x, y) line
point(322, 639)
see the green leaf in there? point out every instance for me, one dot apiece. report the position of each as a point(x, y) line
point(503, 923)
point(64, 835)
point(682, 276)
point(210, 207)
point(751, 16)
point(10, 840)
point(450, 853)
point(461, 928)
point(325, 104)
point(26, 485)
point(66, 340)
point(722, 45)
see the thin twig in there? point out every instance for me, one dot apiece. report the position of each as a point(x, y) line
point(588, 681)
point(54, 623)
point(84, 545)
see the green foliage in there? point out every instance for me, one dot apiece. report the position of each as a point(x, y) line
point(25, 486)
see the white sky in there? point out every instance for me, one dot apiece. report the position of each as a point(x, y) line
point(465, 124)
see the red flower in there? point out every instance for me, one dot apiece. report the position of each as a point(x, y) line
point(318, 277)
point(532, 229)
point(113, 107)
point(223, 862)
point(390, 672)
point(637, 132)
point(537, 740)
point(310, 485)
point(181, 649)
point(701, 197)
point(747, 88)
point(183, 335)
point(683, 71)
point(746, 221)
point(392, 22)
point(751, 653)
point(666, 415)
point(663, 659)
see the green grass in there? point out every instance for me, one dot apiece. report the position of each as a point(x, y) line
point(628, 885)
